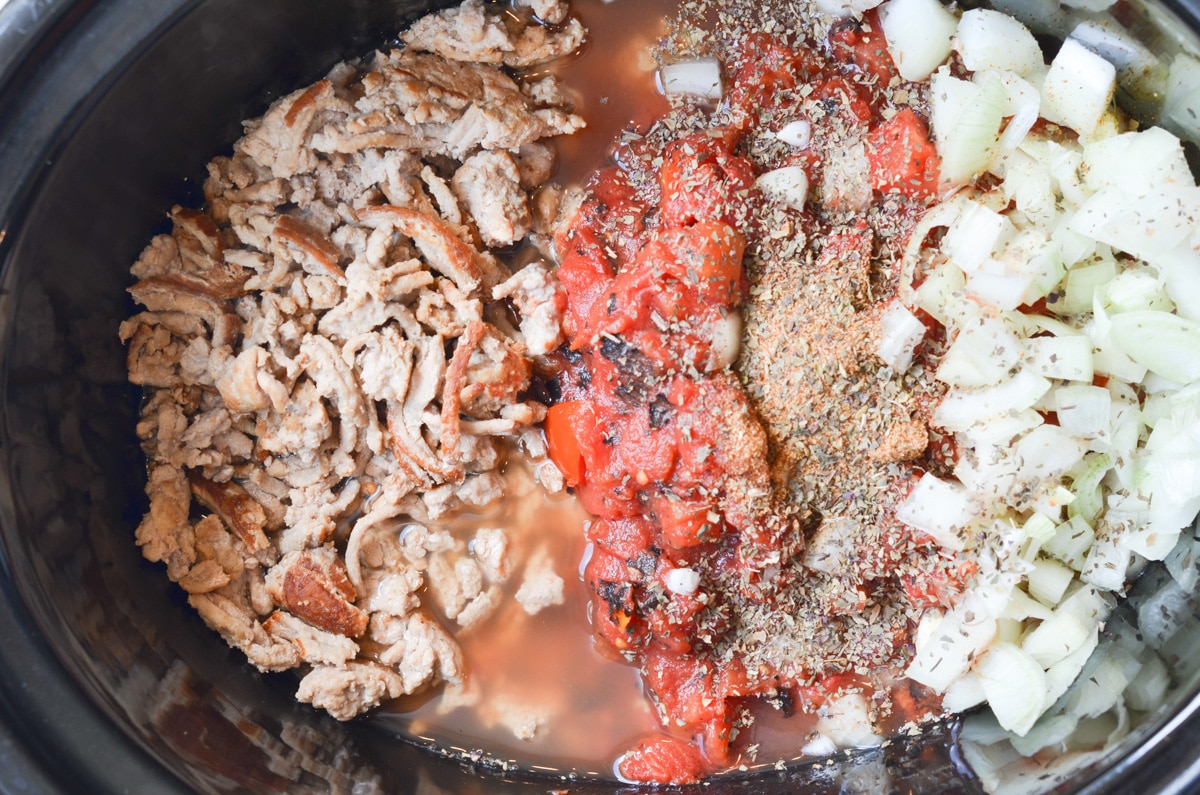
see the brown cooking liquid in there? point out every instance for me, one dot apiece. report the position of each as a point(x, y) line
point(545, 666)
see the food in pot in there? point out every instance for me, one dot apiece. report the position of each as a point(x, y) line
point(872, 361)
point(330, 369)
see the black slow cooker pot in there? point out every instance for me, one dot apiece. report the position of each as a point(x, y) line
point(108, 682)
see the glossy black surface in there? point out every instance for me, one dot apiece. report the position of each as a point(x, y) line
point(108, 683)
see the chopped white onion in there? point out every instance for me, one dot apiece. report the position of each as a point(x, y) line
point(1181, 106)
point(846, 721)
point(900, 331)
point(1056, 638)
point(965, 693)
point(1159, 341)
point(1064, 358)
point(976, 235)
point(1078, 88)
point(960, 409)
point(682, 581)
point(938, 508)
point(1015, 686)
point(819, 745)
point(918, 34)
point(1149, 687)
point(839, 9)
point(1071, 542)
point(991, 40)
point(982, 354)
point(1083, 410)
point(966, 119)
point(945, 653)
point(698, 77)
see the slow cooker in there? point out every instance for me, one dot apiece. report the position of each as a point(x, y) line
point(108, 682)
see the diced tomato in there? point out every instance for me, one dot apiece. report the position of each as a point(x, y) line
point(614, 614)
point(626, 538)
point(684, 523)
point(685, 688)
point(862, 45)
point(702, 179)
point(566, 425)
point(827, 687)
point(648, 453)
point(584, 274)
point(707, 255)
point(846, 96)
point(662, 760)
point(902, 158)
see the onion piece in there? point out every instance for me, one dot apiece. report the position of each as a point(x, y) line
point(1083, 282)
point(1071, 542)
point(1083, 410)
point(1181, 106)
point(1149, 687)
point(1048, 581)
point(1101, 682)
point(698, 77)
point(847, 722)
point(1015, 686)
point(1061, 675)
point(1063, 358)
point(944, 653)
point(1159, 341)
point(960, 409)
point(1086, 486)
point(1055, 639)
point(991, 40)
point(900, 331)
point(965, 693)
point(682, 581)
point(918, 34)
point(938, 508)
point(1136, 161)
point(968, 123)
point(1078, 88)
point(975, 235)
point(982, 355)
point(1146, 223)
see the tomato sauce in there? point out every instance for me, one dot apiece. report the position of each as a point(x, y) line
point(647, 432)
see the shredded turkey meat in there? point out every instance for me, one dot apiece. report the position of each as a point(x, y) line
point(331, 363)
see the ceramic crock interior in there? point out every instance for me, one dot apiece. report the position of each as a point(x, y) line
point(108, 682)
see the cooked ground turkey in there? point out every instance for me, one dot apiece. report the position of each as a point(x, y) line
point(333, 359)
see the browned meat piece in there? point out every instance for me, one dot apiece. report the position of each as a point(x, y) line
point(347, 691)
point(489, 185)
point(313, 585)
point(314, 645)
point(237, 509)
point(479, 108)
point(165, 534)
point(469, 33)
point(540, 300)
point(442, 248)
point(241, 629)
point(314, 253)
